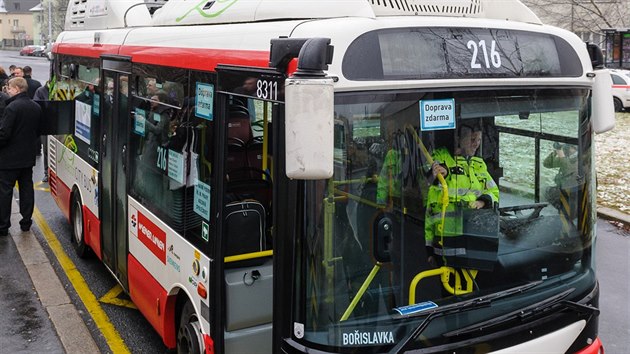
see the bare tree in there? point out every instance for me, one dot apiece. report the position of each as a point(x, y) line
point(57, 17)
point(583, 16)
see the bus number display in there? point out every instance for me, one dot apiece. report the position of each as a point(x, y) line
point(480, 46)
point(161, 158)
point(267, 90)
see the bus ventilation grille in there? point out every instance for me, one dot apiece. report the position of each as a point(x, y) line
point(427, 7)
point(77, 13)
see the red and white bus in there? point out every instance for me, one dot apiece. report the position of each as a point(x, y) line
point(230, 162)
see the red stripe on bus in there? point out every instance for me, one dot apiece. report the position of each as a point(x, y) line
point(152, 300)
point(85, 50)
point(187, 58)
point(92, 231)
point(195, 58)
point(61, 195)
point(621, 86)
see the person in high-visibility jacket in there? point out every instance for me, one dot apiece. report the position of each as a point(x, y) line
point(470, 185)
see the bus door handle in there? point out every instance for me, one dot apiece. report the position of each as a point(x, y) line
point(124, 157)
point(104, 150)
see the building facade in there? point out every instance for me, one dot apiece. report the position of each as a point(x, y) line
point(16, 23)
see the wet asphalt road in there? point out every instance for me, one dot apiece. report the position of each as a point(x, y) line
point(24, 323)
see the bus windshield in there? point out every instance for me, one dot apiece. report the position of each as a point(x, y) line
point(386, 237)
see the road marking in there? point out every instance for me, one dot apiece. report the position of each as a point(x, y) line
point(37, 187)
point(112, 298)
point(115, 342)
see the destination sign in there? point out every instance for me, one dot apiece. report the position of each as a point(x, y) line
point(450, 53)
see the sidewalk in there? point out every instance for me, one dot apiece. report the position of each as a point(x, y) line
point(70, 328)
point(613, 215)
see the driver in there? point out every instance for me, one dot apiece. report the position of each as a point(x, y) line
point(470, 185)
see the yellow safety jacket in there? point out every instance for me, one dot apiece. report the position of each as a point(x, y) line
point(389, 178)
point(468, 180)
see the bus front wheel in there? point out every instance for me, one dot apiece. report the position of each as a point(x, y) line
point(78, 238)
point(189, 338)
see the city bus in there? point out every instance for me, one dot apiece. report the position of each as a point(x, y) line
point(257, 174)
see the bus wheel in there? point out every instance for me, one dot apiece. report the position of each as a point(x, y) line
point(189, 332)
point(78, 238)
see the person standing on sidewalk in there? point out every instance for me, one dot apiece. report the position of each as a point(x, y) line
point(19, 132)
point(33, 84)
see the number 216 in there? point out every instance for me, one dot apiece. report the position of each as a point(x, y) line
point(476, 48)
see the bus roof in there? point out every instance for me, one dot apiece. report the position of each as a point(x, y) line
point(109, 14)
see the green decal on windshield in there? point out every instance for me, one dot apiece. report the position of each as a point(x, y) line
point(202, 7)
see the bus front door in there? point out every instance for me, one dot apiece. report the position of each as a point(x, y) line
point(248, 106)
point(113, 159)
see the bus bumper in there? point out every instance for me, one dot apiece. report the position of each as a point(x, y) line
point(595, 348)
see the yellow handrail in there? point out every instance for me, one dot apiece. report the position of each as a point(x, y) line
point(445, 274)
point(246, 256)
point(361, 291)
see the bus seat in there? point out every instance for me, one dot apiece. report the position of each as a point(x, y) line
point(250, 183)
point(236, 155)
point(255, 154)
point(239, 125)
point(238, 135)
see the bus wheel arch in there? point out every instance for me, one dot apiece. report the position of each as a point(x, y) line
point(187, 329)
point(77, 220)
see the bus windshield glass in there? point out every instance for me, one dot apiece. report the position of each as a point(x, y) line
point(439, 197)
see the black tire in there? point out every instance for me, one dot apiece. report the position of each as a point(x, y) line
point(618, 105)
point(189, 340)
point(76, 216)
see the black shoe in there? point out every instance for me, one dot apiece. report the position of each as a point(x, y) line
point(25, 228)
point(45, 179)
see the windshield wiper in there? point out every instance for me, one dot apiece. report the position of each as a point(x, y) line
point(523, 313)
point(458, 307)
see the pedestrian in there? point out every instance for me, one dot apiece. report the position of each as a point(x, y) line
point(19, 132)
point(41, 95)
point(12, 71)
point(33, 84)
point(3, 76)
point(17, 72)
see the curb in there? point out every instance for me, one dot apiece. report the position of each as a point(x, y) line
point(71, 330)
point(613, 215)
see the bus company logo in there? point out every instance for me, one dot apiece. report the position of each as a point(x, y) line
point(172, 258)
point(371, 337)
point(152, 237)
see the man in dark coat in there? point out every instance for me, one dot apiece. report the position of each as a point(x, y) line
point(33, 84)
point(19, 133)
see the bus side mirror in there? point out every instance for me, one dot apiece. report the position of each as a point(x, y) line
point(602, 106)
point(309, 128)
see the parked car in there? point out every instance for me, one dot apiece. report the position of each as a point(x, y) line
point(28, 50)
point(621, 89)
point(39, 51)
